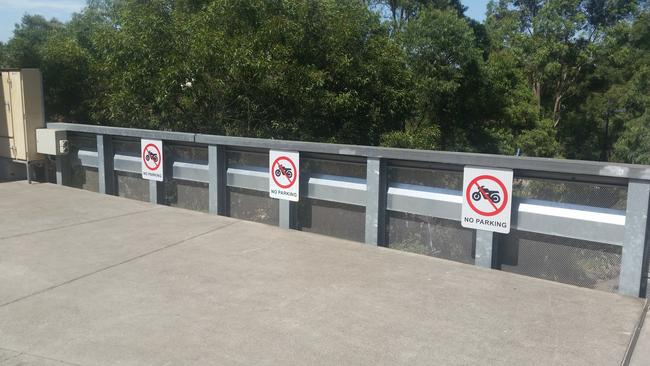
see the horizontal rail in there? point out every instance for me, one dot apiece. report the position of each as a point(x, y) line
point(252, 178)
point(379, 195)
point(570, 221)
point(569, 167)
point(126, 163)
point(321, 187)
point(351, 191)
point(190, 171)
point(88, 158)
point(543, 217)
point(124, 132)
point(426, 201)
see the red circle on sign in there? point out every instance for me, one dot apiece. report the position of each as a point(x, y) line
point(156, 163)
point(473, 183)
point(291, 181)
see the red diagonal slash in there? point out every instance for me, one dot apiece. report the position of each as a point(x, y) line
point(485, 196)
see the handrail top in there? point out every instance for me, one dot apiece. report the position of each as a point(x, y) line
point(564, 166)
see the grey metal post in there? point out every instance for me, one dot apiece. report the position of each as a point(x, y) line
point(375, 201)
point(287, 214)
point(218, 179)
point(155, 191)
point(156, 188)
point(636, 222)
point(486, 249)
point(62, 170)
point(105, 164)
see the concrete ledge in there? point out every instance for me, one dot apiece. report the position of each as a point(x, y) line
point(114, 281)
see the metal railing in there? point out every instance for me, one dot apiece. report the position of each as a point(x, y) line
point(619, 226)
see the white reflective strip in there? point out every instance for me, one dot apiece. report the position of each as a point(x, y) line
point(356, 184)
point(583, 213)
point(428, 193)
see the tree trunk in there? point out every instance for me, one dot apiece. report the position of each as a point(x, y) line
point(537, 92)
point(556, 109)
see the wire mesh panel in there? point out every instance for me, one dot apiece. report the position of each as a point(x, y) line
point(331, 165)
point(248, 204)
point(252, 205)
point(81, 176)
point(184, 193)
point(187, 153)
point(427, 235)
point(132, 186)
point(331, 219)
point(426, 176)
point(129, 147)
point(243, 158)
point(571, 261)
point(430, 236)
point(187, 194)
point(588, 194)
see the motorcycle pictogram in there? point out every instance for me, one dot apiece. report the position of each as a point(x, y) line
point(493, 195)
point(282, 170)
point(151, 156)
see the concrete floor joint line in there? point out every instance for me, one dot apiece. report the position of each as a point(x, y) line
point(20, 353)
point(80, 223)
point(118, 264)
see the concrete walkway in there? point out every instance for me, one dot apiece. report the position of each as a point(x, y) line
point(89, 279)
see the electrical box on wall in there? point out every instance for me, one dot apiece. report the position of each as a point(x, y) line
point(51, 142)
point(21, 113)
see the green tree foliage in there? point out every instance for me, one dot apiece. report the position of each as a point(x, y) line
point(554, 78)
point(3, 55)
point(630, 94)
point(50, 46)
point(314, 70)
point(400, 12)
point(446, 64)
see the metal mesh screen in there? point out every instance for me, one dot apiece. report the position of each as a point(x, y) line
point(188, 153)
point(80, 176)
point(247, 158)
point(331, 219)
point(84, 177)
point(588, 194)
point(186, 194)
point(249, 204)
point(426, 176)
point(430, 236)
point(183, 193)
point(571, 261)
point(131, 185)
point(82, 142)
point(324, 165)
point(128, 147)
point(253, 206)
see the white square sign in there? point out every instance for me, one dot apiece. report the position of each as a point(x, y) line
point(487, 199)
point(152, 159)
point(284, 175)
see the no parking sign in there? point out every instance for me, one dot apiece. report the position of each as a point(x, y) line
point(487, 199)
point(284, 181)
point(152, 159)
